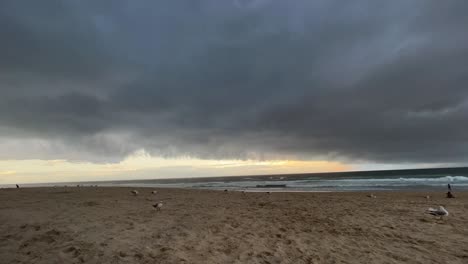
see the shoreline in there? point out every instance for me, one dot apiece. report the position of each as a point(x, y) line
point(110, 225)
point(147, 190)
point(440, 190)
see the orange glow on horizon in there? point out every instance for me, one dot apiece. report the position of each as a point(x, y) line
point(144, 166)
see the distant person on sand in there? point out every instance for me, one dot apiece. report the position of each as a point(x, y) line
point(449, 193)
point(17, 186)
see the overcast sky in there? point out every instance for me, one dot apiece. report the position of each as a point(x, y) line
point(347, 81)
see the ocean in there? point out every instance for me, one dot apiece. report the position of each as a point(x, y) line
point(388, 180)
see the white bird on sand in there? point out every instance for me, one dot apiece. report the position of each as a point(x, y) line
point(158, 206)
point(134, 192)
point(441, 212)
point(428, 197)
point(371, 196)
point(154, 192)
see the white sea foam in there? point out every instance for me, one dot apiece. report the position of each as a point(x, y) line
point(335, 184)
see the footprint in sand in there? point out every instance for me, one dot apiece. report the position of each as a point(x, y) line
point(70, 253)
point(36, 227)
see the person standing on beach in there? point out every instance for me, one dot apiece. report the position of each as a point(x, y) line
point(17, 186)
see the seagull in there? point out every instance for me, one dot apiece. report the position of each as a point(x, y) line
point(371, 196)
point(134, 192)
point(441, 212)
point(428, 197)
point(158, 206)
point(154, 192)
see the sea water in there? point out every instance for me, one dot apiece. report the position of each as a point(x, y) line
point(421, 179)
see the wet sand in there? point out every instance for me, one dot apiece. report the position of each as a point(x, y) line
point(109, 225)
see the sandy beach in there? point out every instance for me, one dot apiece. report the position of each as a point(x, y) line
point(109, 225)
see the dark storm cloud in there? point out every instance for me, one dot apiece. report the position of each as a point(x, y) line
point(364, 80)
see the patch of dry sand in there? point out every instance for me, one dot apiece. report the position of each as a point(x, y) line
point(109, 225)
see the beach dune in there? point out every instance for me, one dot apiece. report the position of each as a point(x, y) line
point(109, 225)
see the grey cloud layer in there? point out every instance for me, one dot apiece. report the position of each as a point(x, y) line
point(367, 80)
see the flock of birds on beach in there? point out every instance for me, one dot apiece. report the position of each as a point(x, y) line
point(158, 206)
point(439, 212)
